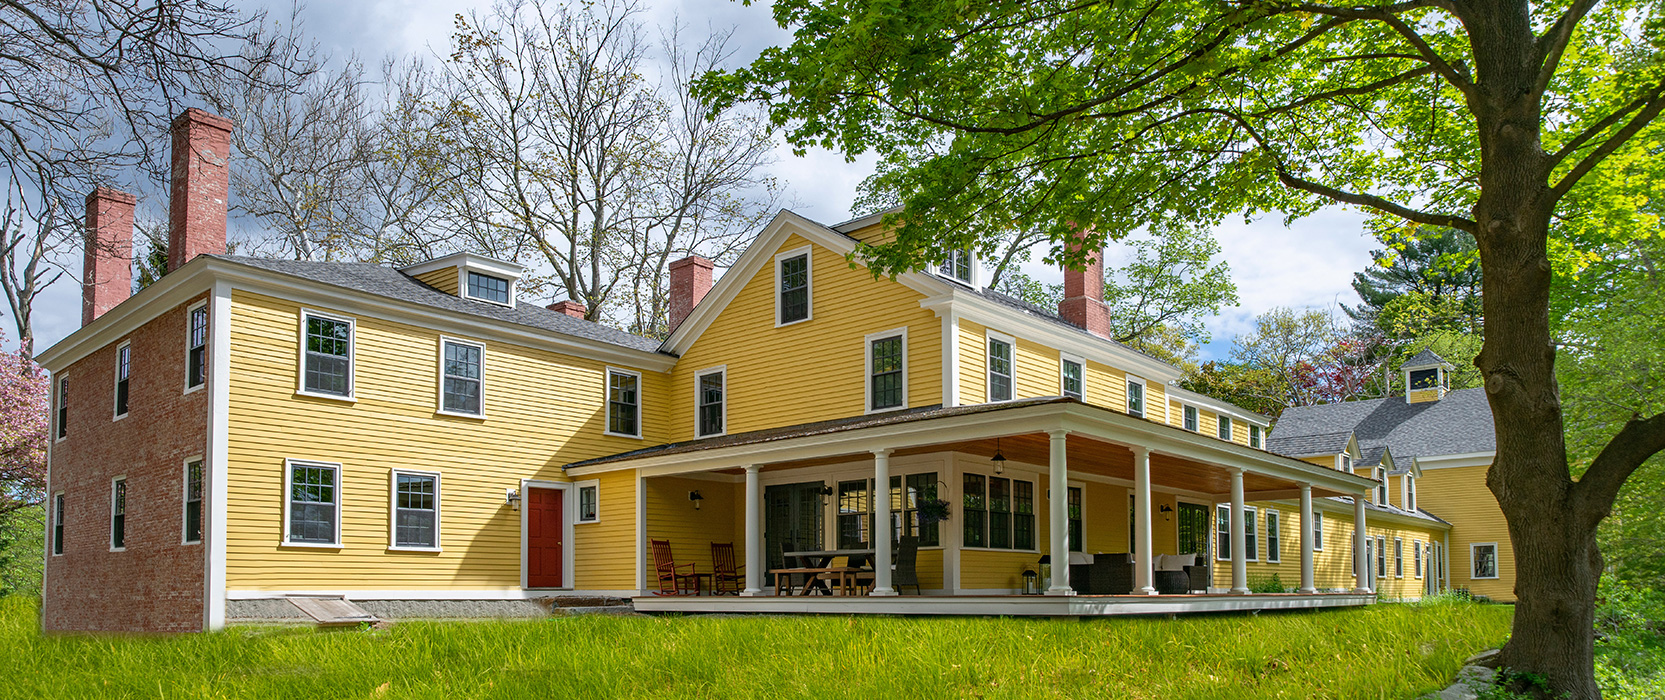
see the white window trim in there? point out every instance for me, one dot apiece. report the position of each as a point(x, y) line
point(1407, 491)
point(185, 499)
point(1219, 552)
point(393, 511)
point(110, 523)
point(57, 514)
point(1419, 557)
point(1317, 537)
point(988, 366)
point(975, 270)
point(1188, 408)
point(1399, 557)
point(867, 370)
point(607, 401)
point(1274, 555)
point(808, 252)
point(719, 369)
point(115, 383)
point(352, 357)
point(462, 286)
point(1257, 437)
point(1041, 490)
point(288, 478)
point(1497, 561)
point(1221, 421)
point(1080, 362)
point(1385, 490)
point(1381, 557)
point(577, 508)
point(207, 337)
point(59, 434)
point(1251, 531)
point(1144, 398)
point(439, 387)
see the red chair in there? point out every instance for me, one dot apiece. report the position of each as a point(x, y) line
point(726, 577)
point(671, 576)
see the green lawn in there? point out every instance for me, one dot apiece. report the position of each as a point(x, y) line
point(1384, 651)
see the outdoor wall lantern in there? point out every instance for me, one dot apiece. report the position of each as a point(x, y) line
point(512, 498)
point(826, 489)
point(999, 459)
point(696, 498)
point(1165, 510)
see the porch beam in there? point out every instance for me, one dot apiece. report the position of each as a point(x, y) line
point(754, 533)
point(1361, 559)
point(1306, 540)
point(1057, 505)
point(1143, 558)
point(881, 526)
point(1274, 495)
point(1239, 542)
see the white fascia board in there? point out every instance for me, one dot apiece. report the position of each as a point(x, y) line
point(1466, 459)
point(762, 252)
point(1218, 406)
point(974, 307)
point(200, 274)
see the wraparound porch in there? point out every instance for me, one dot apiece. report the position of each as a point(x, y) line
point(1022, 605)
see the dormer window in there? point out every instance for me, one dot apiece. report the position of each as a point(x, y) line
point(1382, 488)
point(957, 266)
point(488, 288)
point(1191, 418)
point(1410, 492)
point(1346, 462)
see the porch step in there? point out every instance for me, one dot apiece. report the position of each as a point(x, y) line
point(333, 611)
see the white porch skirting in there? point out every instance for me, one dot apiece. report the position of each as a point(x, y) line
point(1049, 606)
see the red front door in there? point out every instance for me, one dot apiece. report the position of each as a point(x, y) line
point(543, 538)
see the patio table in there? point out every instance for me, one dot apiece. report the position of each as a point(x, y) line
point(818, 561)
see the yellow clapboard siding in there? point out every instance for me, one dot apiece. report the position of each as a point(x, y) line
point(1459, 496)
point(448, 280)
point(1333, 562)
point(542, 410)
point(811, 370)
point(671, 516)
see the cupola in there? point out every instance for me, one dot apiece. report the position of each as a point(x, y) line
point(1427, 377)
point(470, 276)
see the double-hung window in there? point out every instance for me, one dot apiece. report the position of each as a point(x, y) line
point(1255, 439)
point(999, 513)
point(1274, 536)
point(1398, 558)
point(58, 523)
point(886, 371)
point(1223, 428)
point(327, 347)
point(589, 502)
point(124, 375)
point(792, 300)
point(1317, 531)
point(1000, 368)
point(488, 288)
point(313, 503)
point(1251, 538)
point(1023, 515)
point(415, 510)
point(711, 401)
point(1191, 422)
point(1410, 492)
point(1416, 551)
point(1381, 556)
point(1071, 378)
point(1072, 512)
point(196, 346)
point(1136, 397)
point(1382, 488)
point(624, 403)
point(1222, 532)
point(957, 266)
point(63, 407)
point(118, 513)
point(1483, 556)
point(462, 368)
point(193, 501)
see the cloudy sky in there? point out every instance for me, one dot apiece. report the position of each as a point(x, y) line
point(1307, 264)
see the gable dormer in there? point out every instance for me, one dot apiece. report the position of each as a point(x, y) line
point(1427, 377)
point(470, 276)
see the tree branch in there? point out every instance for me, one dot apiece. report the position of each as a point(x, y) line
point(1553, 43)
point(1638, 440)
point(1348, 91)
point(1655, 102)
point(1388, 15)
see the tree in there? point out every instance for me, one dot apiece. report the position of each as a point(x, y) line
point(1486, 116)
point(1440, 268)
point(23, 432)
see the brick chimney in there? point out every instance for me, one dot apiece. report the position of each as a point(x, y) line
point(1083, 303)
point(107, 272)
point(690, 280)
point(569, 307)
point(201, 181)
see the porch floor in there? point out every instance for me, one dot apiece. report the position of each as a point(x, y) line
point(1035, 605)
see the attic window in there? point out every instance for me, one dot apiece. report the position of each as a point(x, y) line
point(488, 288)
point(957, 266)
point(1425, 379)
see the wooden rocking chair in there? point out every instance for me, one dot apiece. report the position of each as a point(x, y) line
point(726, 577)
point(671, 576)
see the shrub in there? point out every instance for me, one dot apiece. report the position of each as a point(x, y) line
point(1268, 585)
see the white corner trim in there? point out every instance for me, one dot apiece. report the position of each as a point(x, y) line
point(216, 470)
point(950, 360)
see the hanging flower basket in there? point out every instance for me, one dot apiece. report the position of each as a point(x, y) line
point(932, 510)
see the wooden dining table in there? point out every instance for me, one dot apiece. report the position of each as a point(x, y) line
point(815, 562)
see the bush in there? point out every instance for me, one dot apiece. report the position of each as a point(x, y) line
point(1630, 640)
point(1268, 585)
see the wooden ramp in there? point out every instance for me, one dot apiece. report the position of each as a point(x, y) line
point(333, 612)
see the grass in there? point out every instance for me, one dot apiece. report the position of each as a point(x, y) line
point(1384, 651)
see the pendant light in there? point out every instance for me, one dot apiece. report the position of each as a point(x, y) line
point(999, 459)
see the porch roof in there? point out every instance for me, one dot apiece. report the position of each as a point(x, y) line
point(1096, 433)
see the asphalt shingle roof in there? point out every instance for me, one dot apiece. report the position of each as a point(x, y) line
point(1426, 358)
point(1457, 424)
point(1390, 508)
point(388, 282)
point(1307, 445)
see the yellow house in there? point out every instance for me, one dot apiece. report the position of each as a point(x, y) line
point(246, 430)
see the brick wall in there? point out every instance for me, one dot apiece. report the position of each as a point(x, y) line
point(156, 585)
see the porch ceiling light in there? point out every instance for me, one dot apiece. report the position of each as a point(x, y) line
point(999, 459)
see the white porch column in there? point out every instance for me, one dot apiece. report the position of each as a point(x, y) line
point(1306, 540)
point(755, 562)
point(1143, 558)
point(1239, 542)
point(1361, 561)
point(881, 529)
point(1058, 506)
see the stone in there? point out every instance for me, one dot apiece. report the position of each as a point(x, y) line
point(1488, 658)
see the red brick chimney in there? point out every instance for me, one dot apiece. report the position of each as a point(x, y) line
point(568, 307)
point(690, 280)
point(107, 272)
point(201, 180)
point(1083, 303)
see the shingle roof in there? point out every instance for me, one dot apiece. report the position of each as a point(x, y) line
point(1372, 456)
point(1307, 445)
point(1390, 508)
point(388, 282)
point(1460, 423)
point(1426, 358)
